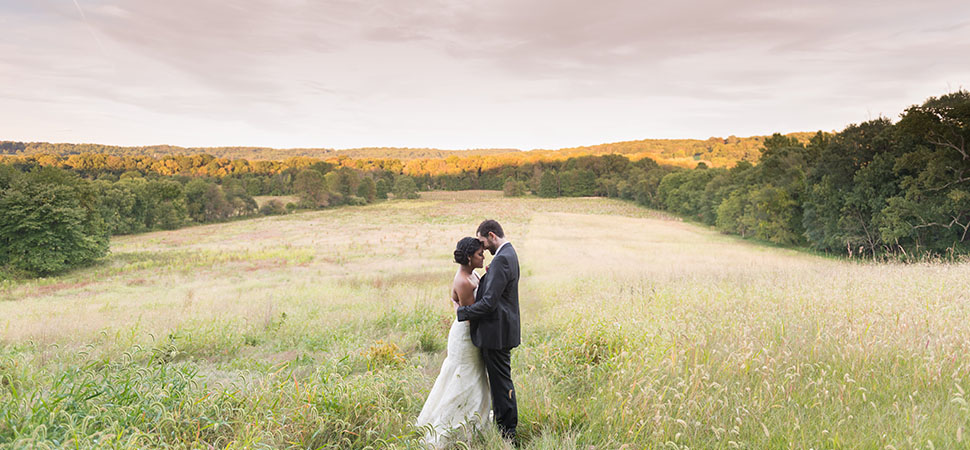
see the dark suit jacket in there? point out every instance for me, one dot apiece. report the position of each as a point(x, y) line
point(495, 314)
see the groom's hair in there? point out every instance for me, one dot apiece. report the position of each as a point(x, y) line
point(490, 226)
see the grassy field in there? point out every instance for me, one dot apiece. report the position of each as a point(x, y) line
point(326, 330)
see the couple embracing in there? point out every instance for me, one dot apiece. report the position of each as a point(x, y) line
point(476, 376)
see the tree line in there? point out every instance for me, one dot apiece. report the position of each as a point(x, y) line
point(55, 218)
point(877, 189)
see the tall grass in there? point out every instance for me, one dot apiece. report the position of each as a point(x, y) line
point(326, 330)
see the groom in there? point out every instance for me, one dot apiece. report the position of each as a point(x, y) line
point(495, 323)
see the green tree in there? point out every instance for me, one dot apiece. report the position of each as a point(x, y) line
point(8, 174)
point(931, 212)
point(281, 184)
point(381, 188)
point(367, 189)
point(577, 183)
point(321, 166)
point(215, 205)
point(333, 186)
point(166, 200)
point(549, 184)
point(404, 187)
point(241, 202)
point(682, 192)
point(311, 187)
point(195, 206)
point(117, 207)
point(769, 214)
point(838, 213)
point(50, 223)
point(513, 188)
point(730, 213)
point(349, 181)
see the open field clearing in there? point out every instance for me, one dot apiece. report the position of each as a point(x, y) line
point(284, 199)
point(326, 330)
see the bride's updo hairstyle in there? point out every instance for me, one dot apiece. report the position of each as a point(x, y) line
point(467, 247)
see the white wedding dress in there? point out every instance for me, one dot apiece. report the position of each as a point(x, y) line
point(460, 397)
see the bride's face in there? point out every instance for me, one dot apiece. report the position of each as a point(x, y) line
point(477, 260)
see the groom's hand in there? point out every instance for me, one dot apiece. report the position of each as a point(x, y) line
point(485, 305)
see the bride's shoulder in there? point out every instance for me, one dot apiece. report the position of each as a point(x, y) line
point(463, 282)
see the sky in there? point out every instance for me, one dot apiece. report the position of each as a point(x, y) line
point(463, 74)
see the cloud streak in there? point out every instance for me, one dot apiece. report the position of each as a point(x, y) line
point(473, 73)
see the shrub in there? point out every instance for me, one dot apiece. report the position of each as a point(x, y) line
point(273, 208)
point(354, 200)
point(384, 354)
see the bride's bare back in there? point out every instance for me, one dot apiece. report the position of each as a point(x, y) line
point(463, 288)
point(466, 280)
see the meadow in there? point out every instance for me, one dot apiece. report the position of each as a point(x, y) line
point(326, 330)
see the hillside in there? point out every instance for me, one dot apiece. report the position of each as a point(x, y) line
point(248, 153)
point(716, 151)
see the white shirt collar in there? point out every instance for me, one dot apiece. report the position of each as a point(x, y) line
point(500, 247)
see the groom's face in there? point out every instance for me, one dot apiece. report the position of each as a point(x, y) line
point(488, 241)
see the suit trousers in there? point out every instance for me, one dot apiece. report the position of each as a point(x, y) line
point(498, 364)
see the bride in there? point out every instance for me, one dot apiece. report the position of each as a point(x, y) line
point(460, 396)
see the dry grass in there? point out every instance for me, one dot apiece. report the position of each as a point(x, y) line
point(639, 330)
